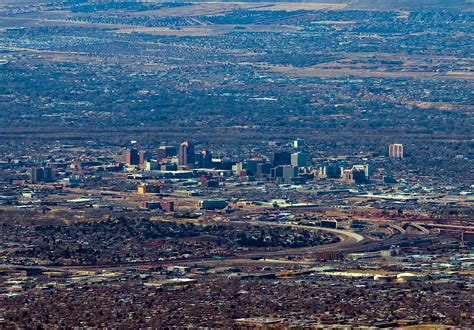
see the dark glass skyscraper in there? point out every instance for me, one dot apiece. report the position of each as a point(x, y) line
point(281, 158)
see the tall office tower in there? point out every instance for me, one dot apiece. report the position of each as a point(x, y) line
point(132, 156)
point(332, 171)
point(281, 158)
point(47, 174)
point(263, 169)
point(289, 172)
point(284, 173)
point(144, 156)
point(251, 164)
point(41, 174)
point(395, 150)
point(205, 159)
point(166, 151)
point(298, 143)
point(299, 159)
point(36, 174)
point(186, 153)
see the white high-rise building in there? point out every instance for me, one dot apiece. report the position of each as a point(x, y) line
point(298, 143)
point(395, 150)
point(299, 159)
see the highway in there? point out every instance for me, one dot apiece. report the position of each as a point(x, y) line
point(348, 241)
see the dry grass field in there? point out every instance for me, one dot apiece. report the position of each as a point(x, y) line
point(206, 30)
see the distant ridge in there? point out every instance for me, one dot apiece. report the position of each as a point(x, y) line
point(355, 4)
point(414, 4)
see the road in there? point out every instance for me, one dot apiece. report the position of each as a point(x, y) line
point(348, 240)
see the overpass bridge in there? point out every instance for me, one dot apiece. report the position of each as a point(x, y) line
point(416, 226)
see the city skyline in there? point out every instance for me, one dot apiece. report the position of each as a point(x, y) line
point(230, 164)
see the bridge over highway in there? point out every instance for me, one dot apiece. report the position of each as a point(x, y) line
point(416, 226)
